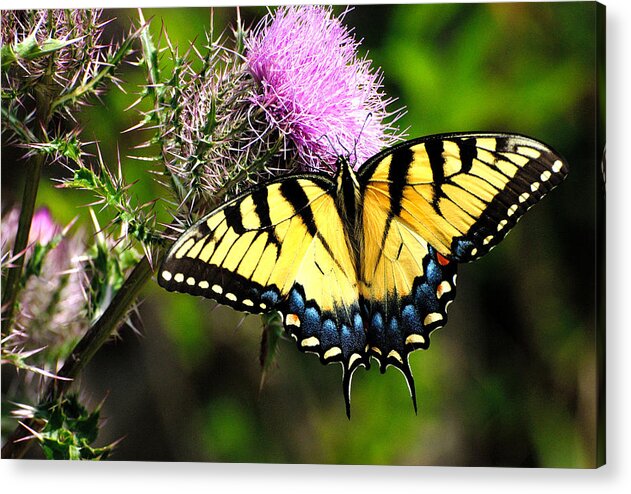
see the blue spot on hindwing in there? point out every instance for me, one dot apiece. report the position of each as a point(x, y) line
point(377, 322)
point(376, 335)
point(329, 333)
point(311, 322)
point(410, 318)
point(393, 326)
point(461, 248)
point(358, 323)
point(270, 297)
point(425, 297)
point(346, 332)
point(433, 273)
point(296, 302)
point(395, 336)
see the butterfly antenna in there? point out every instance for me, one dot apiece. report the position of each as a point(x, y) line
point(330, 167)
point(361, 131)
point(339, 143)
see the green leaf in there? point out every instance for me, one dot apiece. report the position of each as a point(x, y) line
point(38, 255)
point(83, 179)
point(109, 266)
point(30, 49)
point(272, 332)
point(70, 431)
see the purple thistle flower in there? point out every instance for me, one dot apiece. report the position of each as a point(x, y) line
point(315, 89)
point(291, 94)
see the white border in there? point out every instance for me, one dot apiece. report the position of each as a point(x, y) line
point(50, 477)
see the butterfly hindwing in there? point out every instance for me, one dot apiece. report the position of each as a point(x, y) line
point(406, 285)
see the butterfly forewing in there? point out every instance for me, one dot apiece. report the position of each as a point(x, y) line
point(464, 192)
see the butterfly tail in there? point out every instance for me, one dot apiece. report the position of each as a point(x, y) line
point(347, 377)
point(407, 372)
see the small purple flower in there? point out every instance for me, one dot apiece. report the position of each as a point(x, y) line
point(43, 228)
point(52, 303)
point(314, 87)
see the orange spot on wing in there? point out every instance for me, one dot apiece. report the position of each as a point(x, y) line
point(442, 260)
point(293, 320)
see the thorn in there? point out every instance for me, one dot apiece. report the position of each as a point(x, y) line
point(34, 433)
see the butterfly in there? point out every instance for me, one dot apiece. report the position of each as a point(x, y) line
point(363, 264)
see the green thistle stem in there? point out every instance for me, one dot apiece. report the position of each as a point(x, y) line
point(22, 437)
point(31, 185)
point(102, 329)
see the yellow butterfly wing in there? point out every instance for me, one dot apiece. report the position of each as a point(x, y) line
point(405, 284)
point(428, 204)
point(463, 192)
point(279, 247)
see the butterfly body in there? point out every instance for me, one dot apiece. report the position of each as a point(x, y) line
point(364, 264)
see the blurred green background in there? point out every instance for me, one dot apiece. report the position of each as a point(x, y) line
point(510, 381)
